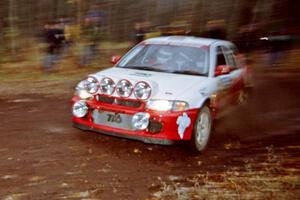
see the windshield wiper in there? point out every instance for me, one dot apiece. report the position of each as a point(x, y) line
point(189, 72)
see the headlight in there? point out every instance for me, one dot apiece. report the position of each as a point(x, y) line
point(140, 121)
point(91, 85)
point(124, 88)
point(159, 105)
point(79, 109)
point(142, 90)
point(107, 86)
point(166, 105)
point(180, 106)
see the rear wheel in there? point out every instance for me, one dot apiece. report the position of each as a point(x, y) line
point(202, 129)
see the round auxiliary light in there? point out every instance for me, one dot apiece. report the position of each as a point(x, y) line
point(124, 88)
point(140, 121)
point(142, 90)
point(107, 86)
point(91, 84)
point(79, 109)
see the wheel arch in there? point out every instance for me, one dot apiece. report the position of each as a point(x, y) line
point(209, 101)
point(205, 101)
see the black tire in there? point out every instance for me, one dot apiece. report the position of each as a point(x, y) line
point(202, 129)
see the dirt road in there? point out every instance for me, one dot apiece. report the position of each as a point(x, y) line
point(254, 151)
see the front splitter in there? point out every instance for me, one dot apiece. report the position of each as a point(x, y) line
point(139, 138)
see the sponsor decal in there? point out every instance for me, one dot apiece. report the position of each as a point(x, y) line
point(141, 74)
point(183, 122)
point(168, 93)
point(225, 81)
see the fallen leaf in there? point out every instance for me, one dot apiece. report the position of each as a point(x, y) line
point(36, 178)
point(64, 185)
point(174, 178)
point(137, 151)
point(228, 146)
point(15, 196)
point(80, 194)
point(115, 190)
point(9, 176)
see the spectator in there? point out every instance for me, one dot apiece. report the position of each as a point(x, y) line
point(92, 31)
point(279, 42)
point(215, 29)
point(139, 32)
point(248, 40)
point(54, 36)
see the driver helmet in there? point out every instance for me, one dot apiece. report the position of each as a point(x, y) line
point(164, 56)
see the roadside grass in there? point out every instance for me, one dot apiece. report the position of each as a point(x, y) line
point(266, 178)
point(28, 64)
point(25, 74)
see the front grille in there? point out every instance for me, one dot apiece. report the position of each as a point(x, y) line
point(105, 99)
point(120, 102)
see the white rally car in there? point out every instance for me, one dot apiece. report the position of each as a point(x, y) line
point(163, 90)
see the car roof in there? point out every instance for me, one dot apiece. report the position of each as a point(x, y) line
point(184, 41)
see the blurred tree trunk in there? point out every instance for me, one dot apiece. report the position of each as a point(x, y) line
point(199, 17)
point(79, 11)
point(12, 27)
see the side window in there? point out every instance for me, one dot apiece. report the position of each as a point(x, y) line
point(220, 57)
point(237, 57)
point(229, 57)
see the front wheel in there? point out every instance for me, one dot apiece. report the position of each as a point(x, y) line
point(202, 129)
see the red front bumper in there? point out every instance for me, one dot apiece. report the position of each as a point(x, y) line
point(167, 134)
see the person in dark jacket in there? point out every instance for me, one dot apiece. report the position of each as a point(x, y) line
point(92, 33)
point(54, 36)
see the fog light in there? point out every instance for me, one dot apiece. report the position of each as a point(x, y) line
point(140, 121)
point(80, 109)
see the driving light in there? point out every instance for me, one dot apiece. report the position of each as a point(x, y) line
point(107, 86)
point(79, 109)
point(91, 85)
point(167, 105)
point(124, 88)
point(140, 121)
point(142, 90)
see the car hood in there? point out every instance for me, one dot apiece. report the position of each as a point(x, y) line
point(164, 85)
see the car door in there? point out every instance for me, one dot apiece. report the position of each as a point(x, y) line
point(229, 83)
point(235, 75)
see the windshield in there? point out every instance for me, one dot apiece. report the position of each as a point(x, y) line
point(167, 58)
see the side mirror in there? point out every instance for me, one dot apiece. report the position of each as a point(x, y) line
point(222, 70)
point(115, 59)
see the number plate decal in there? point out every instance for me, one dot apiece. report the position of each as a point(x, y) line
point(112, 119)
